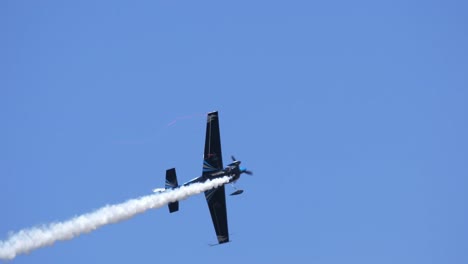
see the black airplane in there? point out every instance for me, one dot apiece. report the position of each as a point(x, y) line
point(212, 169)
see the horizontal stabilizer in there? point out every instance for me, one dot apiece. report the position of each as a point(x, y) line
point(173, 207)
point(171, 183)
point(171, 179)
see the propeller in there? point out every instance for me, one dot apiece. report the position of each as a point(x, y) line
point(244, 170)
point(248, 172)
point(239, 172)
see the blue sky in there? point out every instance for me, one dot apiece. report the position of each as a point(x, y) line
point(352, 115)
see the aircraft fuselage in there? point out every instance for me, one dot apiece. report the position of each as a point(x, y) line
point(232, 171)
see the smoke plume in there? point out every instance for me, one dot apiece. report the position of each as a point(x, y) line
point(26, 240)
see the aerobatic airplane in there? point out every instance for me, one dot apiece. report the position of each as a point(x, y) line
point(212, 169)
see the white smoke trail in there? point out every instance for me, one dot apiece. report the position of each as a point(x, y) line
point(27, 240)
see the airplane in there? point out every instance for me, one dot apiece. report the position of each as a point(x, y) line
point(212, 169)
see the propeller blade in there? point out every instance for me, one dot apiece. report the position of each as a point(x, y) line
point(233, 158)
point(248, 172)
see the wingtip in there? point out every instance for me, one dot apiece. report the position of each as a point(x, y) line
point(219, 243)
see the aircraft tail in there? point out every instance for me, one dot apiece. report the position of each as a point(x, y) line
point(171, 183)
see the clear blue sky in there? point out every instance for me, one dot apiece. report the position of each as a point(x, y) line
point(352, 114)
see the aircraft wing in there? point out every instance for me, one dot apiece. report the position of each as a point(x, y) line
point(212, 162)
point(212, 157)
point(216, 199)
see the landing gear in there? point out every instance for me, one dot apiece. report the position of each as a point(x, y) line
point(237, 191)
